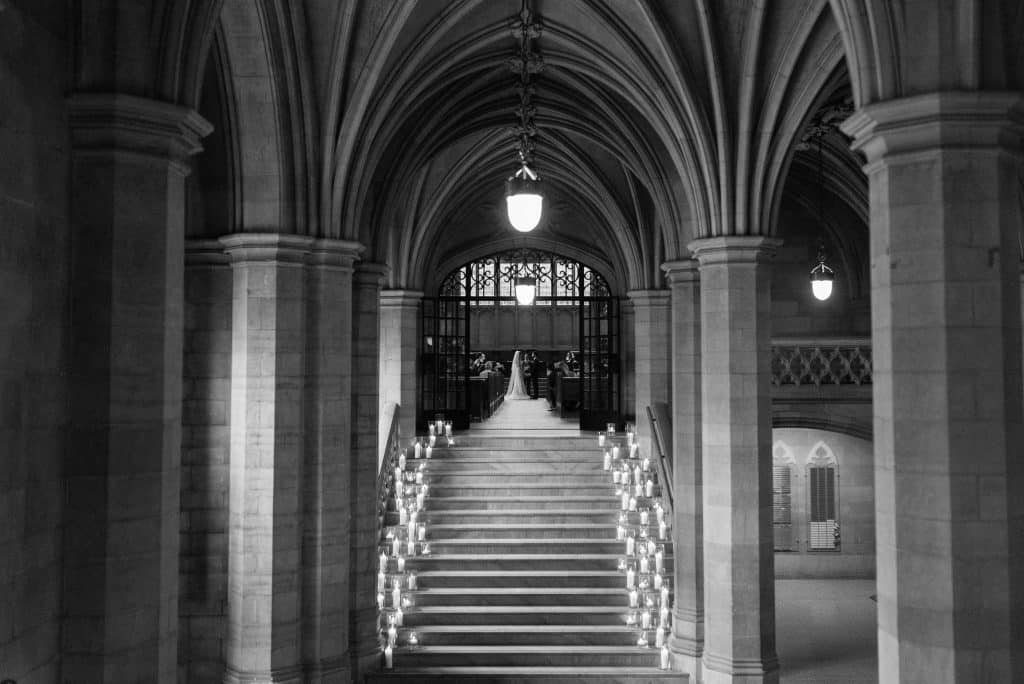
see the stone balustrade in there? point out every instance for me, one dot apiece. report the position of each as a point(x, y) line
point(821, 361)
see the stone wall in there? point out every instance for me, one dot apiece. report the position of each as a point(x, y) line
point(34, 248)
point(855, 557)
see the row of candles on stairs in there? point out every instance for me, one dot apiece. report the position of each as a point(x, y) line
point(410, 487)
point(644, 562)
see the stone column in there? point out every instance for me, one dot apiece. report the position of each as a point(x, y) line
point(265, 503)
point(628, 353)
point(652, 348)
point(945, 309)
point(687, 641)
point(739, 589)
point(399, 347)
point(327, 512)
point(122, 469)
point(365, 409)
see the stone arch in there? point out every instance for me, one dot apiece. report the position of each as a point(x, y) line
point(782, 453)
point(821, 454)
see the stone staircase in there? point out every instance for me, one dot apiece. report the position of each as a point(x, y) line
point(522, 582)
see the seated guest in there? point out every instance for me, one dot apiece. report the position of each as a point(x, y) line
point(488, 369)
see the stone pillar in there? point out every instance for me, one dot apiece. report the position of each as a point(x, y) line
point(687, 640)
point(122, 469)
point(945, 309)
point(652, 349)
point(265, 502)
point(399, 348)
point(326, 498)
point(365, 408)
point(205, 462)
point(628, 353)
point(739, 595)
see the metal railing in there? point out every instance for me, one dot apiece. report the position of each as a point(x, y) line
point(661, 431)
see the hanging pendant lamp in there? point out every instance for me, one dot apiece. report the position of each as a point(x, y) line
point(524, 197)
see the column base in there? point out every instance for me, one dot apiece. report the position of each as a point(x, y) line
point(284, 675)
point(332, 671)
point(719, 670)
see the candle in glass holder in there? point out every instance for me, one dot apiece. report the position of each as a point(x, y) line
point(418, 452)
point(381, 580)
point(611, 429)
point(414, 640)
point(411, 581)
point(630, 578)
point(396, 546)
point(645, 565)
point(421, 532)
point(659, 637)
point(448, 429)
point(633, 598)
point(659, 561)
point(396, 597)
point(657, 580)
point(645, 619)
point(388, 658)
point(629, 438)
point(412, 547)
point(651, 547)
point(403, 516)
point(616, 477)
point(419, 499)
point(615, 452)
point(430, 451)
point(383, 562)
point(664, 658)
point(432, 442)
point(644, 517)
point(380, 600)
point(431, 429)
point(419, 477)
point(662, 530)
point(649, 488)
point(633, 448)
point(663, 614)
point(620, 532)
point(600, 439)
point(398, 475)
point(630, 545)
point(392, 635)
point(399, 617)
point(426, 549)
point(625, 500)
point(401, 461)
point(637, 474)
point(631, 617)
point(642, 640)
point(440, 425)
point(607, 460)
point(632, 503)
point(622, 563)
point(406, 602)
point(638, 490)
point(664, 596)
point(401, 564)
point(659, 512)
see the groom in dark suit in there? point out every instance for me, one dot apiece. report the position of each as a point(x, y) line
point(531, 371)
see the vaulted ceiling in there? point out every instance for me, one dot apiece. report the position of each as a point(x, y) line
point(389, 122)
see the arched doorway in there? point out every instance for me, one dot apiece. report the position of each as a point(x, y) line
point(475, 311)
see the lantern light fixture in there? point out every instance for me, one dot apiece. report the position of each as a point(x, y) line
point(524, 196)
point(822, 276)
point(526, 290)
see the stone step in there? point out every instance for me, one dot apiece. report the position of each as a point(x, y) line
point(542, 529)
point(565, 545)
point(519, 656)
point(464, 616)
point(553, 443)
point(527, 675)
point(540, 562)
point(523, 596)
point(463, 579)
point(480, 501)
point(492, 480)
point(522, 635)
point(495, 466)
point(550, 489)
point(579, 516)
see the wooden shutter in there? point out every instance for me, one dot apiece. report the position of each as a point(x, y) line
point(782, 507)
point(823, 528)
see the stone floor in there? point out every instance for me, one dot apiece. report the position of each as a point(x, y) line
point(825, 629)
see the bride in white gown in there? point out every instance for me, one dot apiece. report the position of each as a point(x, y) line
point(516, 382)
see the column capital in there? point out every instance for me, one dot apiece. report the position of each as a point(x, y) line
point(368, 273)
point(736, 249)
point(649, 297)
point(335, 253)
point(400, 298)
point(963, 119)
point(682, 271)
point(276, 247)
point(101, 122)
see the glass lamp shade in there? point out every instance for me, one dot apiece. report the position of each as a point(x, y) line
point(821, 281)
point(526, 290)
point(524, 200)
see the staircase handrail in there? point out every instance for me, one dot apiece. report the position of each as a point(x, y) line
point(386, 468)
point(662, 458)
